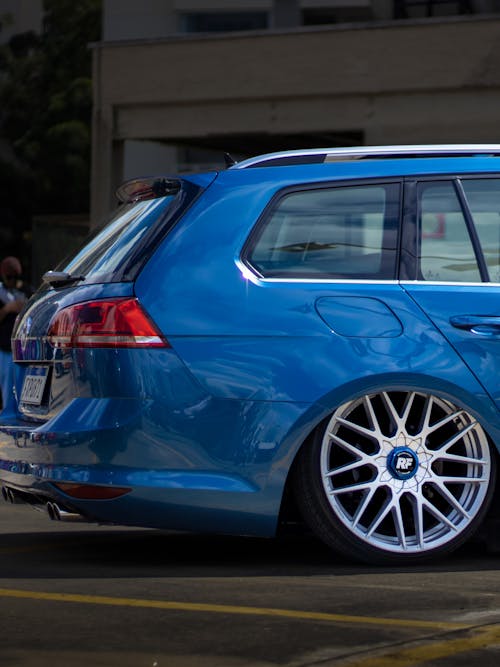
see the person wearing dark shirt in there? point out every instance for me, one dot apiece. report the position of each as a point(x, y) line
point(12, 300)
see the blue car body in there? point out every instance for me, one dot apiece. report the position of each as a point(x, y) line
point(201, 433)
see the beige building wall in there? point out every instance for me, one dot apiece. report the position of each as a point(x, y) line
point(433, 80)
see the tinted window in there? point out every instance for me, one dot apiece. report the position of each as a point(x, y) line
point(446, 252)
point(344, 232)
point(483, 197)
point(112, 246)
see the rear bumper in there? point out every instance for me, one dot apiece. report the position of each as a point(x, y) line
point(201, 511)
point(216, 473)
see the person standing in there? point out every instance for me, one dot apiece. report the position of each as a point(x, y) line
point(12, 300)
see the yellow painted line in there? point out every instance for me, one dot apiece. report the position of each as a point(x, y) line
point(408, 657)
point(393, 657)
point(229, 609)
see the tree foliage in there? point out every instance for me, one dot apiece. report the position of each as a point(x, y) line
point(46, 105)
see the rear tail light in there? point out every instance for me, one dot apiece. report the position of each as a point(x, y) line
point(108, 323)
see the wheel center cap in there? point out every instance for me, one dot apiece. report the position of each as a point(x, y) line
point(402, 463)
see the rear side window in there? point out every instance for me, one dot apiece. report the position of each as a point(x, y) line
point(341, 232)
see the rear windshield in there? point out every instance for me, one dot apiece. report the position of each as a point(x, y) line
point(104, 256)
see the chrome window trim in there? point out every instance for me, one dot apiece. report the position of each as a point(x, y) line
point(248, 273)
point(328, 281)
point(436, 283)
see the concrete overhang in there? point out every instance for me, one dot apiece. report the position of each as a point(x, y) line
point(397, 82)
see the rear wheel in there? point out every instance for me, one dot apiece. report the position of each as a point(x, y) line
point(396, 477)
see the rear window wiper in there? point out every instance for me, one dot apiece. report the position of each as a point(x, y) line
point(60, 278)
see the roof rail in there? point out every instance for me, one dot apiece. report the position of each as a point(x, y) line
point(321, 155)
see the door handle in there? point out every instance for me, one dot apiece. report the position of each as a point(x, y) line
point(481, 325)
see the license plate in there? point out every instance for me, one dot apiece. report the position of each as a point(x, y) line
point(34, 385)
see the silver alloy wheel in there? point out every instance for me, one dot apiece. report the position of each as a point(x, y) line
point(405, 472)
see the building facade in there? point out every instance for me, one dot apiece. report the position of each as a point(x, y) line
point(180, 82)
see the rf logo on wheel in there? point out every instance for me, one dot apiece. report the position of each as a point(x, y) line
point(404, 463)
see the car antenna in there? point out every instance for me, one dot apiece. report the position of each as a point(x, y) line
point(229, 160)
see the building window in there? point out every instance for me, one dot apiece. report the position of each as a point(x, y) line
point(223, 21)
point(319, 16)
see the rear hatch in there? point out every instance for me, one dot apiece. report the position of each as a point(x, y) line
point(88, 303)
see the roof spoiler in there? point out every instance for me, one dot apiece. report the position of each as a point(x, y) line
point(141, 189)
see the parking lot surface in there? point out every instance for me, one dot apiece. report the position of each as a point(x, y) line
point(78, 594)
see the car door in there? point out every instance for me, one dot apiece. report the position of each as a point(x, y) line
point(451, 266)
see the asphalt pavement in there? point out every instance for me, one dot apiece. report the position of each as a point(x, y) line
point(79, 595)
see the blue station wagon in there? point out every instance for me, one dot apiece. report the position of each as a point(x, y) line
point(309, 336)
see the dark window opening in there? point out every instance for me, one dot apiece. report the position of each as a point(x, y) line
point(341, 14)
point(404, 9)
point(223, 21)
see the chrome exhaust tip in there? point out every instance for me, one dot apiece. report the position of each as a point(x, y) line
point(56, 513)
point(50, 507)
point(11, 496)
